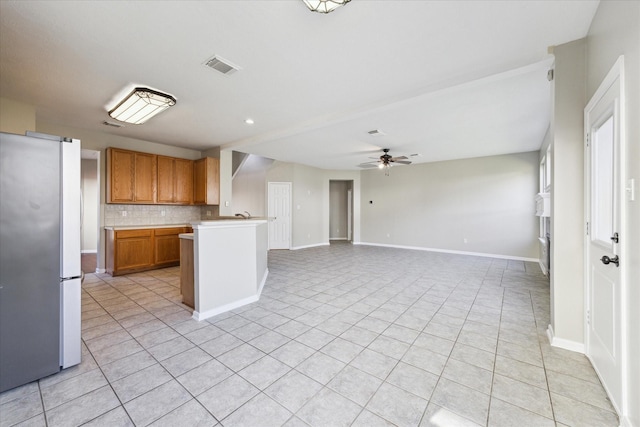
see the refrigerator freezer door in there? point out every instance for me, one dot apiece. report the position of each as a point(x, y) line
point(29, 259)
point(70, 323)
point(70, 209)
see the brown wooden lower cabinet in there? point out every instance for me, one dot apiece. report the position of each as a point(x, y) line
point(130, 251)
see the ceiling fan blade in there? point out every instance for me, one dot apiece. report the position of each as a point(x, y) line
point(402, 162)
point(367, 165)
point(399, 158)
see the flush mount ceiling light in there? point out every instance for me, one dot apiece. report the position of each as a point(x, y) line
point(140, 105)
point(324, 6)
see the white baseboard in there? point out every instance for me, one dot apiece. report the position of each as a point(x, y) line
point(447, 251)
point(264, 280)
point(564, 344)
point(625, 422)
point(89, 251)
point(543, 268)
point(337, 238)
point(224, 308)
point(231, 306)
point(295, 248)
point(101, 270)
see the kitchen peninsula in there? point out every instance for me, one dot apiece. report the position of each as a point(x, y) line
point(230, 264)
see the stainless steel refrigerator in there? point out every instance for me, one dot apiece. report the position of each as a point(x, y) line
point(40, 273)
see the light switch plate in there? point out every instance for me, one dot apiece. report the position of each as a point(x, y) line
point(631, 189)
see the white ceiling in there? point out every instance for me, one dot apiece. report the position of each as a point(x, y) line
point(445, 79)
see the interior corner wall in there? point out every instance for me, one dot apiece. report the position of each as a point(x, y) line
point(481, 205)
point(567, 194)
point(16, 117)
point(615, 31)
point(249, 185)
point(226, 185)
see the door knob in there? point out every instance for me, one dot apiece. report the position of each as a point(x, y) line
point(615, 260)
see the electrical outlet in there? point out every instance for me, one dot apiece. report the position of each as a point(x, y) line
point(208, 213)
point(226, 203)
point(124, 213)
point(163, 213)
point(465, 240)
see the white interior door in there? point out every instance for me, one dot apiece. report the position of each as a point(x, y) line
point(605, 261)
point(279, 212)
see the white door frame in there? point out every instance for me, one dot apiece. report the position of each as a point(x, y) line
point(271, 214)
point(95, 154)
point(616, 73)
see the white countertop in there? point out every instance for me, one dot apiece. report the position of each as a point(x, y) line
point(228, 223)
point(141, 227)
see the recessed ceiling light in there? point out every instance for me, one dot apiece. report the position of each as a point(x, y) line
point(249, 121)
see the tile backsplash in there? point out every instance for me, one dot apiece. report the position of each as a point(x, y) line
point(119, 215)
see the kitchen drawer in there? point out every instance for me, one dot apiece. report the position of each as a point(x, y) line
point(126, 234)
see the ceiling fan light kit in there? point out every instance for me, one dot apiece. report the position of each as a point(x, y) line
point(386, 161)
point(324, 6)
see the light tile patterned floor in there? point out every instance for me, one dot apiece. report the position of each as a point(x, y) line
point(342, 335)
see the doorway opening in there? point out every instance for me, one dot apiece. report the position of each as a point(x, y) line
point(341, 210)
point(90, 210)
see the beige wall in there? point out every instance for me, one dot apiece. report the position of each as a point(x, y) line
point(488, 201)
point(615, 31)
point(567, 194)
point(310, 201)
point(249, 186)
point(16, 117)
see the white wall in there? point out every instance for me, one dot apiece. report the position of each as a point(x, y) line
point(488, 201)
point(567, 194)
point(90, 194)
point(615, 31)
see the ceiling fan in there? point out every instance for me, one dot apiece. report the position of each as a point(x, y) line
point(386, 161)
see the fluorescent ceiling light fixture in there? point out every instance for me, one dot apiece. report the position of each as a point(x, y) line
point(140, 105)
point(324, 6)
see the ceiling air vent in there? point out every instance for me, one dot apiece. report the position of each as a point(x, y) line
point(376, 132)
point(221, 65)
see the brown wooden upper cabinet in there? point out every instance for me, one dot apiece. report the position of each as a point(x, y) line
point(175, 180)
point(132, 176)
point(206, 181)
